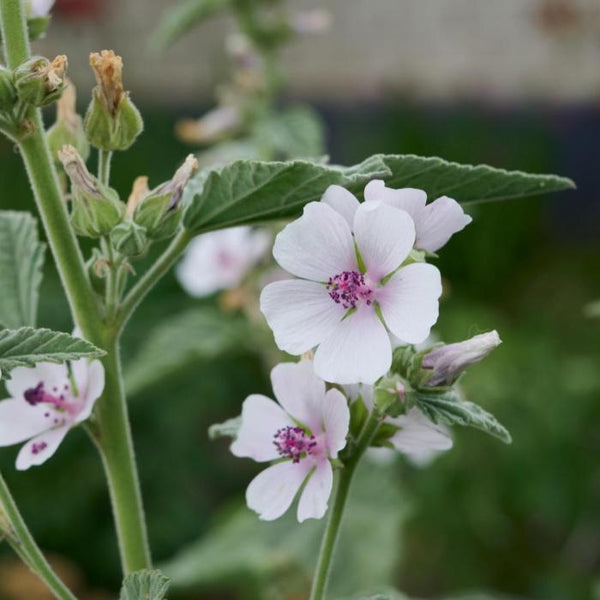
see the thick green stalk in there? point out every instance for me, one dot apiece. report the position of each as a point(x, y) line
point(336, 512)
point(26, 547)
point(116, 447)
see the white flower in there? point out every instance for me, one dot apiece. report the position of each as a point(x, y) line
point(435, 223)
point(303, 432)
point(45, 404)
point(336, 303)
point(220, 259)
point(418, 437)
point(40, 8)
point(448, 361)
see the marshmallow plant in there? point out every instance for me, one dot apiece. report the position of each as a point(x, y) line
point(358, 248)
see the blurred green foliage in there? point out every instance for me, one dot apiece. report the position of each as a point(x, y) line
point(521, 520)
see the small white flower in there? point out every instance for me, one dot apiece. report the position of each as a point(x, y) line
point(448, 361)
point(40, 8)
point(221, 259)
point(336, 305)
point(45, 404)
point(304, 432)
point(418, 437)
point(435, 223)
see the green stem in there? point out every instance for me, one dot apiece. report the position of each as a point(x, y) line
point(104, 159)
point(336, 512)
point(116, 448)
point(27, 549)
point(168, 258)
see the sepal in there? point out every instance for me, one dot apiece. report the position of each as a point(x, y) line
point(39, 81)
point(391, 396)
point(129, 239)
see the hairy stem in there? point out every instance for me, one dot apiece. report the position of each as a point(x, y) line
point(25, 546)
point(104, 160)
point(336, 512)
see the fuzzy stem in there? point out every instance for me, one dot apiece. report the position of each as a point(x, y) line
point(104, 160)
point(340, 496)
point(26, 547)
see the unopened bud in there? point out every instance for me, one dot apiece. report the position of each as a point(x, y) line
point(8, 92)
point(390, 396)
point(214, 125)
point(447, 362)
point(97, 209)
point(98, 269)
point(160, 211)
point(39, 81)
point(68, 128)
point(112, 121)
point(129, 239)
point(139, 191)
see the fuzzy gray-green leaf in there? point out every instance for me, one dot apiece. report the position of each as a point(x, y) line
point(21, 261)
point(145, 585)
point(27, 346)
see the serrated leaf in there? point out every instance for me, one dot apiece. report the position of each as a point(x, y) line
point(21, 261)
point(467, 183)
point(256, 191)
point(228, 428)
point(145, 585)
point(197, 334)
point(447, 408)
point(178, 20)
point(26, 346)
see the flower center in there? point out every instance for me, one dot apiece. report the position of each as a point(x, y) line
point(57, 399)
point(349, 288)
point(293, 442)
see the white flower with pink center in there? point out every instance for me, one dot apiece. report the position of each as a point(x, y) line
point(45, 404)
point(304, 432)
point(353, 290)
point(435, 223)
point(221, 259)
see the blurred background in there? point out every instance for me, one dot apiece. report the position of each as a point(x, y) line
point(515, 84)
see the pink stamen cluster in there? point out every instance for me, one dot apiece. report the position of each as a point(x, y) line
point(56, 400)
point(36, 448)
point(293, 442)
point(348, 288)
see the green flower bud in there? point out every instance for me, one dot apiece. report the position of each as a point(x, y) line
point(97, 209)
point(159, 212)
point(98, 268)
point(8, 92)
point(390, 396)
point(39, 81)
point(129, 239)
point(68, 129)
point(112, 121)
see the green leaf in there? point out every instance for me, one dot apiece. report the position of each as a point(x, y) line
point(449, 409)
point(179, 19)
point(228, 428)
point(467, 183)
point(253, 191)
point(144, 585)
point(294, 133)
point(26, 346)
point(197, 334)
point(21, 261)
point(254, 557)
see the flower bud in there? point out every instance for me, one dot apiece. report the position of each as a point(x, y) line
point(39, 81)
point(68, 129)
point(112, 121)
point(447, 362)
point(129, 239)
point(97, 209)
point(159, 212)
point(390, 396)
point(8, 92)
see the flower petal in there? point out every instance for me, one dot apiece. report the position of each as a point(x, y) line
point(384, 236)
point(409, 199)
point(300, 391)
point(335, 416)
point(20, 421)
point(316, 246)
point(272, 491)
point(300, 313)
point(358, 350)
point(94, 375)
point(419, 436)
point(314, 497)
point(261, 419)
point(24, 378)
point(47, 443)
point(438, 222)
point(343, 201)
point(410, 301)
